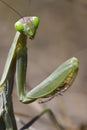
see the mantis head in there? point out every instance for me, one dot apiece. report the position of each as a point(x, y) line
point(27, 26)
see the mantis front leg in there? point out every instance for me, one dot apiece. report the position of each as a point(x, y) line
point(58, 82)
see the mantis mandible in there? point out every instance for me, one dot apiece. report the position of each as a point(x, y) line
point(58, 82)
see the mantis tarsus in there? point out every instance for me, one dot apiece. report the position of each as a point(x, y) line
point(58, 82)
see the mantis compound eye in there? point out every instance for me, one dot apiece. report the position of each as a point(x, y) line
point(35, 21)
point(19, 26)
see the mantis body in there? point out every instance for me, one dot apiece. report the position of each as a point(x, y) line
point(58, 82)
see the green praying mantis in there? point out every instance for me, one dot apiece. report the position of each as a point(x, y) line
point(57, 83)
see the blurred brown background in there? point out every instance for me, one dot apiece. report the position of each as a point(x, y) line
point(61, 35)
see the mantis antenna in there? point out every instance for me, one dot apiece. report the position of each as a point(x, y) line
point(10, 7)
point(14, 10)
point(28, 7)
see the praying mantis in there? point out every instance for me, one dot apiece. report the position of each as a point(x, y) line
point(57, 83)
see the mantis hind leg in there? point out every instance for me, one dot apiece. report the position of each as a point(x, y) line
point(32, 121)
point(7, 120)
point(2, 124)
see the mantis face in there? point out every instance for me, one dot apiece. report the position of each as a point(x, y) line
point(27, 26)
